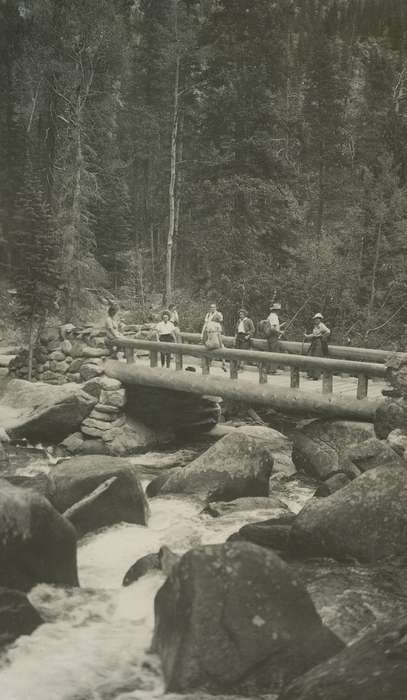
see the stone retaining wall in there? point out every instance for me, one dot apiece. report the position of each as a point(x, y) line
point(63, 355)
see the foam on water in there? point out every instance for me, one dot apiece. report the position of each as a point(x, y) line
point(95, 642)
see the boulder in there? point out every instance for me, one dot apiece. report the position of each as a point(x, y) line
point(80, 349)
point(396, 366)
point(232, 619)
point(115, 398)
point(390, 415)
point(143, 566)
point(110, 384)
point(272, 533)
point(245, 504)
point(37, 545)
point(57, 355)
point(40, 412)
point(397, 440)
point(66, 347)
point(373, 668)
point(90, 370)
point(279, 443)
point(164, 561)
point(370, 454)
point(79, 476)
point(235, 466)
point(118, 499)
point(318, 446)
point(17, 616)
point(40, 483)
point(132, 437)
point(365, 520)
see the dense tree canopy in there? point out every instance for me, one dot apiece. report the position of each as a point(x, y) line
point(211, 149)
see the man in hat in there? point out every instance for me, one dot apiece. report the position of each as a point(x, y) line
point(318, 342)
point(244, 333)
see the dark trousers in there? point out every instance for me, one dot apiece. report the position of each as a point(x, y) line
point(318, 348)
point(242, 343)
point(273, 345)
point(166, 356)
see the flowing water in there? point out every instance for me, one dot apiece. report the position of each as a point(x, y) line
point(95, 642)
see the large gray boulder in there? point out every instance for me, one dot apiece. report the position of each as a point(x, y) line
point(43, 412)
point(237, 465)
point(37, 545)
point(232, 619)
point(373, 668)
point(279, 444)
point(318, 447)
point(78, 477)
point(365, 520)
point(17, 616)
point(390, 415)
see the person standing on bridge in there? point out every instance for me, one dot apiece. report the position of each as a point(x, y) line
point(244, 333)
point(318, 343)
point(166, 333)
point(213, 310)
point(273, 333)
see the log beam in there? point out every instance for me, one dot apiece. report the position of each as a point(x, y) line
point(290, 401)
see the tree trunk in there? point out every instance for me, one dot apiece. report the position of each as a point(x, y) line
point(374, 273)
point(30, 349)
point(172, 187)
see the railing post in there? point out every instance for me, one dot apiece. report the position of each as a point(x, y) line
point(327, 383)
point(361, 391)
point(178, 360)
point(153, 358)
point(263, 373)
point(129, 354)
point(233, 365)
point(294, 377)
point(205, 364)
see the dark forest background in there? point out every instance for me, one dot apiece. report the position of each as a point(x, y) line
point(227, 150)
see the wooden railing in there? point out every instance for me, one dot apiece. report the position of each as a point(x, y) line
point(340, 352)
point(327, 365)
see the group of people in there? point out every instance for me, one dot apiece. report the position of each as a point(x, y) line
point(168, 331)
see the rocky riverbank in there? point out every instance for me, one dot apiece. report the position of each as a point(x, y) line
point(261, 586)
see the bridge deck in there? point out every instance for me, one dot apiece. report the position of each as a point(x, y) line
point(344, 386)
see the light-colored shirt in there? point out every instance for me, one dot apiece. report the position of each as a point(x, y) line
point(274, 321)
point(112, 328)
point(174, 318)
point(165, 328)
point(208, 318)
point(240, 327)
point(321, 331)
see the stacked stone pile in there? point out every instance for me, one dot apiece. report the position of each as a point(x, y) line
point(63, 355)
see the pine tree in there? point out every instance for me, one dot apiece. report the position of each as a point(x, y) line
point(37, 268)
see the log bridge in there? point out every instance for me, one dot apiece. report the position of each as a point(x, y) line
point(344, 361)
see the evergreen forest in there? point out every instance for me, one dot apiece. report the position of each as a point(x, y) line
point(230, 150)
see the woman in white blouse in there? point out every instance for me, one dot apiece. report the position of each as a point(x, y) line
point(166, 333)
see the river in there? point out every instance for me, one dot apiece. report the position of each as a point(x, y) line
point(95, 642)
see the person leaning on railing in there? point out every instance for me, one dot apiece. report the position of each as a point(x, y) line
point(318, 343)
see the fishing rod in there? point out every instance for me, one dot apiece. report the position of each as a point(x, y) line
point(291, 321)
